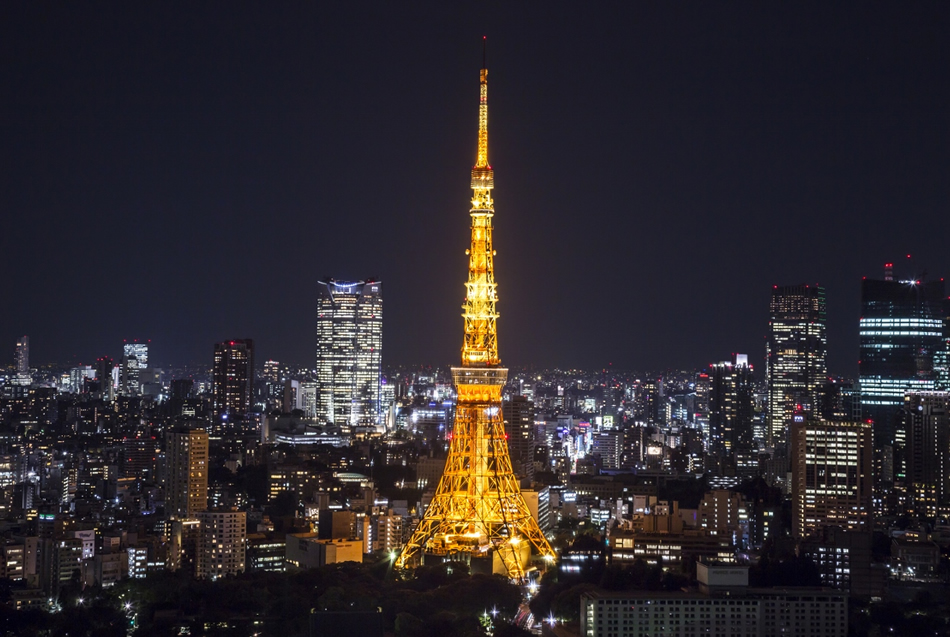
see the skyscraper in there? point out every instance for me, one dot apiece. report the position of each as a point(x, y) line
point(104, 367)
point(942, 356)
point(731, 407)
point(478, 510)
point(518, 414)
point(233, 379)
point(134, 360)
point(901, 330)
point(831, 475)
point(349, 352)
point(22, 360)
point(927, 452)
point(796, 354)
point(186, 472)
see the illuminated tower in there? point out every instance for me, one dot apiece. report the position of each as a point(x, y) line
point(478, 509)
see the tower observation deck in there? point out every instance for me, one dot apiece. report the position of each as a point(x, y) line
point(478, 510)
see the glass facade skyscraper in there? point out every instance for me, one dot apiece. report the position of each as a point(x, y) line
point(796, 354)
point(902, 332)
point(349, 352)
point(134, 360)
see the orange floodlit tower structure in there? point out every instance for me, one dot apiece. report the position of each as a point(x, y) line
point(478, 509)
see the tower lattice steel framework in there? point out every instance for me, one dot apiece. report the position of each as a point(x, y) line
point(478, 506)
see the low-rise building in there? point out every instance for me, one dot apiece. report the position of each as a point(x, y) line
point(914, 559)
point(670, 549)
point(307, 550)
point(724, 605)
point(265, 552)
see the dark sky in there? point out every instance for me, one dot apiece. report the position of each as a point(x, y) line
point(187, 174)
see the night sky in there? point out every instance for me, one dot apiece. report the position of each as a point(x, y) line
point(187, 175)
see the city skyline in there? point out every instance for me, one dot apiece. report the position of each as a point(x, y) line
point(212, 172)
point(712, 155)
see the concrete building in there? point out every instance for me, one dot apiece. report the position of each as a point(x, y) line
point(723, 512)
point(306, 550)
point(723, 606)
point(518, 414)
point(221, 544)
point(831, 475)
point(926, 452)
point(844, 561)
point(186, 472)
point(678, 550)
point(233, 375)
point(265, 552)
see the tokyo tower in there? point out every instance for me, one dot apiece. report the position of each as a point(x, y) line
point(478, 509)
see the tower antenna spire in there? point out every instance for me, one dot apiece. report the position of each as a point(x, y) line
point(484, 51)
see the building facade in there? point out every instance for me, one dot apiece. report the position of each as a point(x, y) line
point(349, 352)
point(221, 544)
point(926, 453)
point(831, 466)
point(731, 407)
point(739, 611)
point(233, 377)
point(186, 472)
point(796, 354)
point(901, 331)
point(22, 361)
point(134, 360)
point(519, 427)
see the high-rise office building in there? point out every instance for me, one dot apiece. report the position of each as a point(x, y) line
point(927, 452)
point(731, 405)
point(221, 544)
point(138, 457)
point(233, 378)
point(831, 475)
point(134, 360)
point(796, 355)
point(271, 371)
point(518, 414)
point(837, 399)
point(22, 361)
point(271, 389)
point(902, 331)
point(186, 472)
point(942, 356)
point(104, 367)
point(349, 352)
